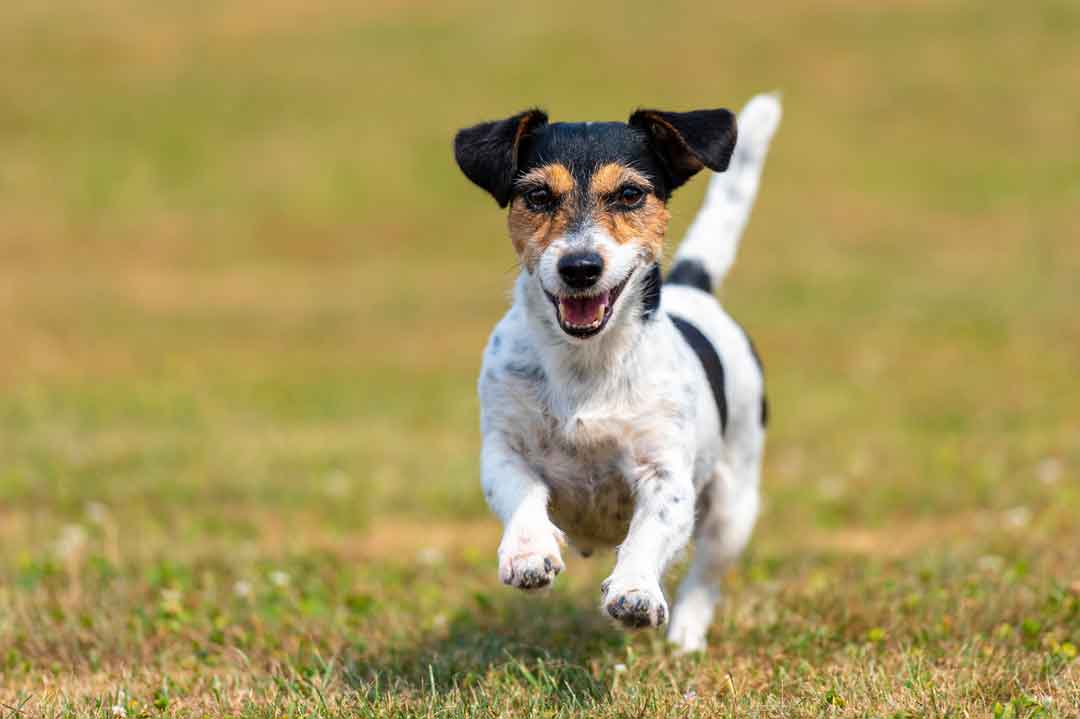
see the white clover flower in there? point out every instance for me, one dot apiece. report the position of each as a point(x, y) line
point(1018, 517)
point(429, 556)
point(279, 578)
point(71, 541)
point(170, 599)
point(1049, 470)
point(118, 710)
point(242, 589)
point(97, 512)
point(832, 487)
point(337, 484)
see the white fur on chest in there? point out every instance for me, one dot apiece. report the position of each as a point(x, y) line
point(588, 431)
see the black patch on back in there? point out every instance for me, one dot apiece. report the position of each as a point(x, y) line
point(710, 362)
point(761, 368)
point(650, 293)
point(690, 273)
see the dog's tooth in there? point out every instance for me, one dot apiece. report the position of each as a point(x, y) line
point(600, 309)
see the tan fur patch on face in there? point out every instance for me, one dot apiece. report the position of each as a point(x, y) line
point(646, 224)
point(531, 232)
point(612, 176)
point(556, 176)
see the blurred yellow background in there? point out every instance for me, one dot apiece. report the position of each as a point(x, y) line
point(244, 288)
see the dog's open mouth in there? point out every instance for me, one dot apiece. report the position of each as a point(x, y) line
point(585, 315)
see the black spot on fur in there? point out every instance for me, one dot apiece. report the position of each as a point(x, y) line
point(710, 362)
point(703, 505)
point(761, 368)
point(690, 273)
point(650, 292)
point(526, 372)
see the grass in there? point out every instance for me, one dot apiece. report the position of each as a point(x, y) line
point(243, 291)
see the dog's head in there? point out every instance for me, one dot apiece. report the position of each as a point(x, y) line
point(588, 201)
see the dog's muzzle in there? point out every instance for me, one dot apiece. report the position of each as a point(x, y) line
point(584, 315)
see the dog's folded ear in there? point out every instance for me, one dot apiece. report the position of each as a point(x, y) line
point(688, 141)
point(488, 153)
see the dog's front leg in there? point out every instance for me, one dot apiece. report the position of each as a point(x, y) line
point(529, 556)
point(661, 526)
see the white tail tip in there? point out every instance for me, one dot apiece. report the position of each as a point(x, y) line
point(758, 121)
point(713, 237)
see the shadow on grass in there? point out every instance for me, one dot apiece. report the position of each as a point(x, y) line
point(548, 643)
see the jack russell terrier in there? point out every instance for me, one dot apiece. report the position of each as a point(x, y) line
point(619, 409)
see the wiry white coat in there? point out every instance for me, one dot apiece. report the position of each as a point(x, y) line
point(616, 440)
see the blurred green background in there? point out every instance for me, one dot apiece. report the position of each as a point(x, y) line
point(244, 289)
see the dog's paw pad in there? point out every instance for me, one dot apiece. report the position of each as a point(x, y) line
point(636, 608)
point(530, 571)
point(529, 556)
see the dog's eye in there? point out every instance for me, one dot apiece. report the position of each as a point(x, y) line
point(631, 196)
point(539, 199)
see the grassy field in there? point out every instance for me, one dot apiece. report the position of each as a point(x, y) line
point(244, 290)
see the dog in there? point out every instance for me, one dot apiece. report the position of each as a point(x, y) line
point(619, 409)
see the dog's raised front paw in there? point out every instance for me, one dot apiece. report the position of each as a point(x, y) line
point(634, 604)
point(530, 559)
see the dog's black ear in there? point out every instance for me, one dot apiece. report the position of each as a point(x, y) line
point(488, 153)
point(688, 141)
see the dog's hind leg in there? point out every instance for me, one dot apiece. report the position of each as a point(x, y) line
point(729, 508)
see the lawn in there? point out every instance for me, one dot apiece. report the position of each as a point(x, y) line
point(244, 291)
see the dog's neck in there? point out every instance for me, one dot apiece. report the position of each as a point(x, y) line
point(604, 364)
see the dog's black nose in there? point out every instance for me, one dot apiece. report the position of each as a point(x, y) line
point(581, 269)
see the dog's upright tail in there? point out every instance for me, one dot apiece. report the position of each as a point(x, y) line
point(708, 250)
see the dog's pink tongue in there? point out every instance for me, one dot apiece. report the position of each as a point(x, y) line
point(583, 311)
